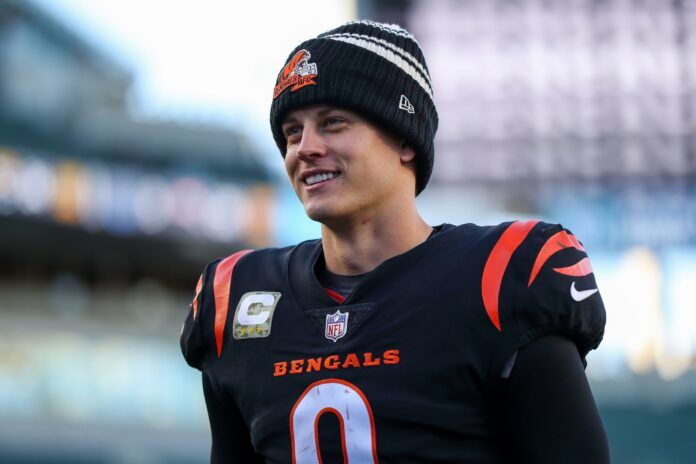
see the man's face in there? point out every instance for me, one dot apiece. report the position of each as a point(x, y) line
point(342, 167)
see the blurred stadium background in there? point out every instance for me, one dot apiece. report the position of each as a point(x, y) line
point(115, 190)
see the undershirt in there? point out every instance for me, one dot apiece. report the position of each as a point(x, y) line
point(341, 284)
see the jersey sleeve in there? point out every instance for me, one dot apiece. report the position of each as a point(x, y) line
point(192, 341)
point(202, 336)
point(550, 288)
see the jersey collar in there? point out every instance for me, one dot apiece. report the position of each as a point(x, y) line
point(309, 292)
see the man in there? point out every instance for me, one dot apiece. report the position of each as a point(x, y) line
point(389, 340)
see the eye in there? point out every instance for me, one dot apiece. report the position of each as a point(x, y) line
point(292, 133)
point(333, 121)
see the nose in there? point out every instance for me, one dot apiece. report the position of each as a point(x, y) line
point(311, 145)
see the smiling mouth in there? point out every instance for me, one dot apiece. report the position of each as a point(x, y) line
point(321, 177)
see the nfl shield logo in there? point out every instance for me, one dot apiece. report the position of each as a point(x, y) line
point(336, 325)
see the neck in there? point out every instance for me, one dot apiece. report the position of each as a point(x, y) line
point(361, 245)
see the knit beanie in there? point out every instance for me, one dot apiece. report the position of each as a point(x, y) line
point(377, 70)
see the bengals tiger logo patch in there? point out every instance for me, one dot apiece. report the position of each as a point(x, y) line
point(297, 73)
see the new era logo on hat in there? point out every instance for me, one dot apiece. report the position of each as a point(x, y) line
point(406, 105)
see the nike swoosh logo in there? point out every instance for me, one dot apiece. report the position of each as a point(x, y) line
point(579, 295)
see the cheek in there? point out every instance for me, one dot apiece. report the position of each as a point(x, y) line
point(290, 164)
point(378, 164)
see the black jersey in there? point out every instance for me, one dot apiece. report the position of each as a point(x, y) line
point(405, 369)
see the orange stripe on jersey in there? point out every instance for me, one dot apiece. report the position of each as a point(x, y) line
point(221, 290)
point(335, 295)
point(497, 263)
point(580, 269)
point(199, 287)
point(554, 244)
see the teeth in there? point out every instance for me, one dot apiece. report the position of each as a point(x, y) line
point(316, 178)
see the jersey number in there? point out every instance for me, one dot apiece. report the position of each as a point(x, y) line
point(350, 406)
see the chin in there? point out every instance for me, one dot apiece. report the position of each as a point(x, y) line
point(324, 214)
point(319, 214)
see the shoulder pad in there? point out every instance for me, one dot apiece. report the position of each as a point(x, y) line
point(203, 327)
point(537, 281)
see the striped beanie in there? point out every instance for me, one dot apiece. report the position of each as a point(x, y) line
point(377, 70)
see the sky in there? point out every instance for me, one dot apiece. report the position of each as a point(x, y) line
point(211, 61)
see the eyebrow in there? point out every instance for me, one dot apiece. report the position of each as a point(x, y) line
point(320, 113)
point(288, 120)
point(326, 110)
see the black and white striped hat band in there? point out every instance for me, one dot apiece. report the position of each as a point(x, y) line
point(387, 50)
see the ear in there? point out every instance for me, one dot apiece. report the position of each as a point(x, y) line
point(406, 152)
